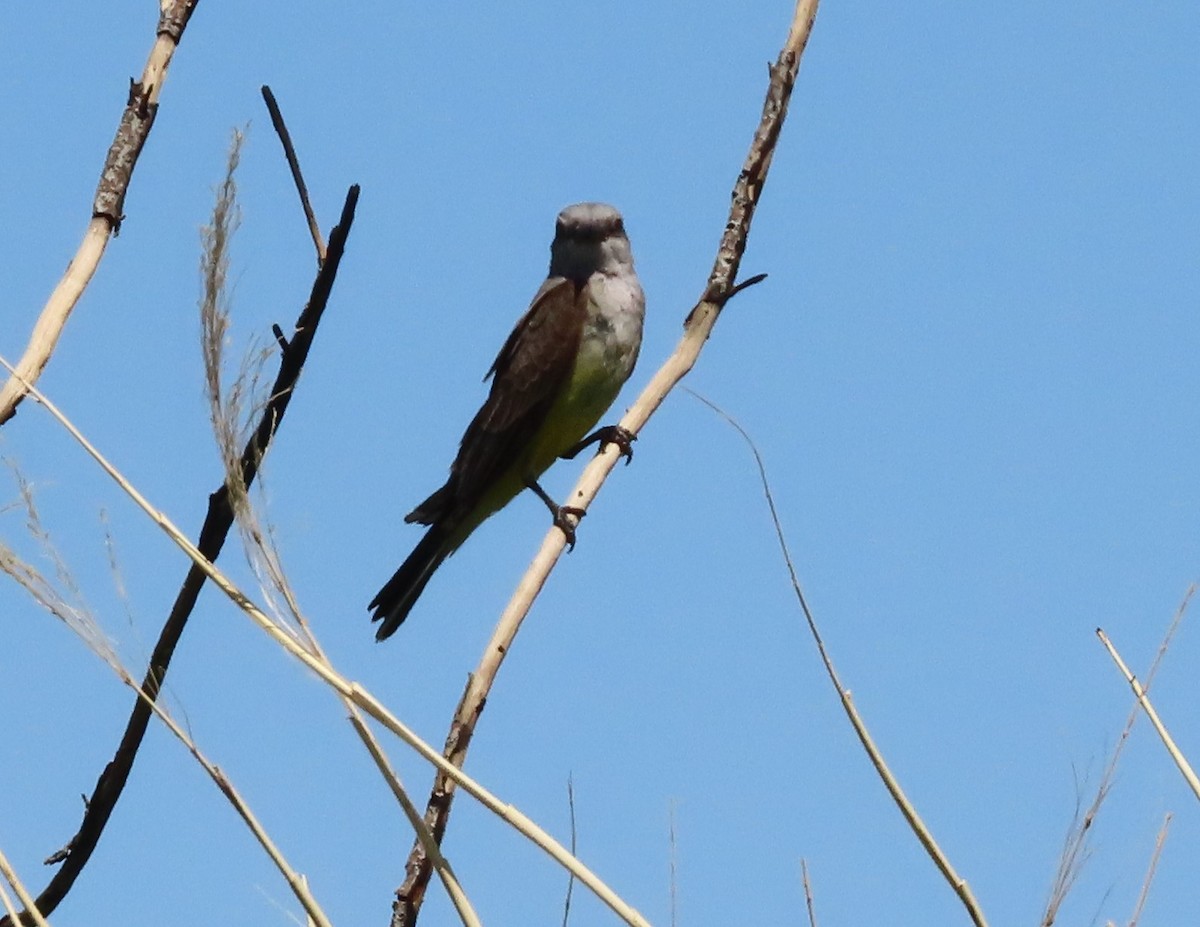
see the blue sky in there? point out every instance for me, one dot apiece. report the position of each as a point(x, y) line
point(972, 375)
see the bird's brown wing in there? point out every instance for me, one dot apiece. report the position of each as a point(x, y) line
point(528, 372)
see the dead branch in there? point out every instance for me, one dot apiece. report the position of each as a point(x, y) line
point(107, 207)
point(289, 152)
point(1139, 692)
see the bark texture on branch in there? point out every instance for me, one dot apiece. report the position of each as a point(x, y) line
point(107, 206)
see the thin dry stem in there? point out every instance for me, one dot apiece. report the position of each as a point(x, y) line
point(84, 624)
point(915, 823)
point(808, 895)
point(294, 879)
point(697, 328)
point(356, 693)
point(231, 430)
point(22, 894)
point(1075, 847)
point(1139, 692)
point(114, 568)
point(7, 902)
point(570, 878)
point(107, 207)
point(1144, 894)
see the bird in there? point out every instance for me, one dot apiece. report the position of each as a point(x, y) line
point(558, 372)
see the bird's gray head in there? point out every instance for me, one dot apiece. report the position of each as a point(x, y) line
point(589, 238)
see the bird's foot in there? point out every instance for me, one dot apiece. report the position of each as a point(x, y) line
point(623, 438)
point(562, 524)
point(560, 513)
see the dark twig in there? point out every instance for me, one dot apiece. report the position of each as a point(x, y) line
point(808, 895)
point(212, 537)
point(745, 285)
point(574, 833)
point(697, 328)
point(289, 152)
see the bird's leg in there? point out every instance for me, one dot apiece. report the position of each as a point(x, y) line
point(560, 512)
point(623, 438)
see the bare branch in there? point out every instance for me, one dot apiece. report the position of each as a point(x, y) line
point(108, 206)
point(1181, 761)
point(289, 152)
point(85, 626)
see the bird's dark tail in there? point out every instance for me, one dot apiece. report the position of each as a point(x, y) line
point(396, 599)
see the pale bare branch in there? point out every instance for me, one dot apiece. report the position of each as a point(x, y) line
point(107, 207)
point(1181, 761)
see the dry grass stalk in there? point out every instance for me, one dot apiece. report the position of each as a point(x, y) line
point(1144, 894)
point(231, 412)
point(891, 783)
point(1075, 847)
point(85, 626)
point(808, 895)
point(356, 693)
point(574, 852)
point(22, 893)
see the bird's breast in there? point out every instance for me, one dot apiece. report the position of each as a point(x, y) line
point(608, 349)
point(612, 334)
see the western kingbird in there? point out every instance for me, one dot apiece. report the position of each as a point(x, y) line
point(558, 372)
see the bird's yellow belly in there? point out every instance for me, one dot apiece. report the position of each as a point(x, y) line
point(583, 399)
point(593, 386)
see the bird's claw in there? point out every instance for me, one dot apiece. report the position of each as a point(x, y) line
point(563, 525)
point(623, 438)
